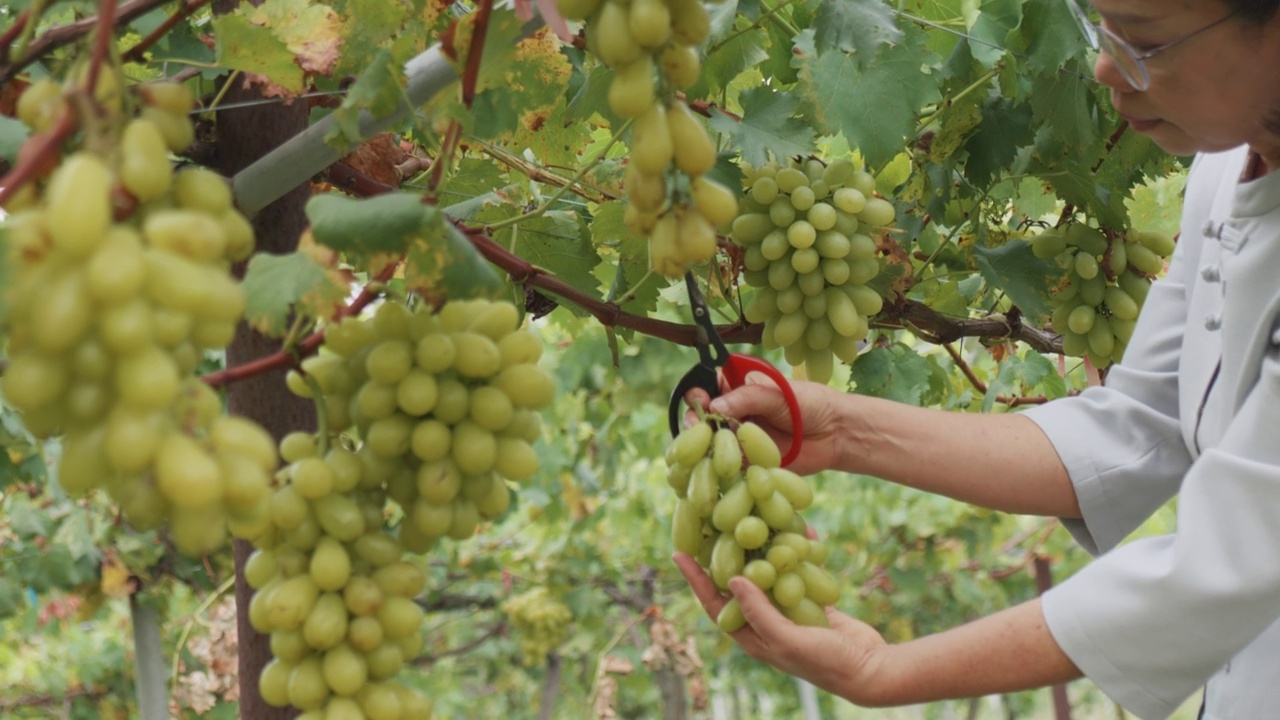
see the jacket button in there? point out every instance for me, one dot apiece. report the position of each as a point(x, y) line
point(1210, 273)
point(1212, 322)
point(1275, 337)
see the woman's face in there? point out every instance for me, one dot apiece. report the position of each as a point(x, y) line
point(1209, 93)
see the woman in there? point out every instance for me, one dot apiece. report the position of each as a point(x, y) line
point(1194, 410)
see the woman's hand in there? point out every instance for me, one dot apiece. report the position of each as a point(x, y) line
point(760, 401)
point(841, 659)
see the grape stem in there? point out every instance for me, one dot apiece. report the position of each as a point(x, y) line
point(322, 410)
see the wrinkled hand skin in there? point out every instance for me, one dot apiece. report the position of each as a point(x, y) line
point(760, 401)
point(842, 659)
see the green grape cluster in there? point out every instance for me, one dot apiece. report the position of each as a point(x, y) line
point(444, 410)
point(541, 620)
point(806, 231)
point(334, 591)
point(122, 282)
point(747, 522)
point(652, 46)
point(1107, 281)
point(445, 404)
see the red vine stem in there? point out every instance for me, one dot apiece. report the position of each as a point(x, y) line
point(135, 53)
point(609, 314)
point(38, 153)
point(101, 43)
point(479, 31)
point(289, 357)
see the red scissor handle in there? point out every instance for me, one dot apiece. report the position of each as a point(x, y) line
point(735, 372)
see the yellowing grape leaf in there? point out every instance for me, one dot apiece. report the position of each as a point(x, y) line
point(115, 578)
point(311, 32)
point(443, 262)
point(241, 45)
point(519, 77)
point(275, 284)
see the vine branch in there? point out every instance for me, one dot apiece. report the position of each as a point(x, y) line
point(69, 33)
point(494, 631)
point(981, 387)
point(135, 53)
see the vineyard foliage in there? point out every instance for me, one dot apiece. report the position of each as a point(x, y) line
point(978, 120)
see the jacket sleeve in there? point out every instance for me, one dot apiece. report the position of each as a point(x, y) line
point(1152, 620)
point(1122, 443)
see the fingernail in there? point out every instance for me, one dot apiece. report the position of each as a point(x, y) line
point(717, 406)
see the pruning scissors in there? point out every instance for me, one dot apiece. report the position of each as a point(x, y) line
point(735, 366)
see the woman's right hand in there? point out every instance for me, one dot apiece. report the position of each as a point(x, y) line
point(824, 412)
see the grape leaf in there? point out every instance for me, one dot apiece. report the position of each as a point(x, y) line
point(1024, 277)
point(242, 45)
point(994, 143)
point(1020, 374)
point(369, 24)
point(631, 263)
point(1049, 36)
point(12, 134)
point(382, 224)
point(778, 65)
point(469, 189)
point(896, 373)
point(559, 242)
point(443, 261)
point(875, 108)
point(310, 31)
point(768, 126)
point(1156, 205)
point(438, 257)
point(1062, 101)
point(379, 90)
point(992, 28)
point(726, 62)
point(856, 27)
point(274, 284)
point(529, 80)
point(724, 16)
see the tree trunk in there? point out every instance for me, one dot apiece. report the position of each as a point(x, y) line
point(550, 687)
point(244, 135)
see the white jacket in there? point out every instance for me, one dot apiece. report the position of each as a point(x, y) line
point(1193, 410)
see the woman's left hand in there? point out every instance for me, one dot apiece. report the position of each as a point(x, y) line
point(842, 659)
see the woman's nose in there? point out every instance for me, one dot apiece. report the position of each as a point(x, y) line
point(1108, 73)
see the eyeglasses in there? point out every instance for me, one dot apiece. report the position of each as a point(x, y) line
point(1131, 63)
